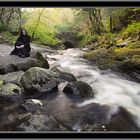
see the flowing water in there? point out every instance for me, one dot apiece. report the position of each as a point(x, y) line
point(112, 91)
point(110, 88)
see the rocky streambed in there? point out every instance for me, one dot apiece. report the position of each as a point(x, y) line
point(60, 91)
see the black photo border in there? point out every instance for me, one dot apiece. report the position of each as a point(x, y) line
point(68, 4)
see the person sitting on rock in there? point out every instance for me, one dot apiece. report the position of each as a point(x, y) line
point(22, 45)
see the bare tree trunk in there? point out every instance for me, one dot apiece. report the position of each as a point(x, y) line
point(1, 16)
point(10, 15)
point(20, 19)
point(90, 28)
point(110, 18)
point(37, 23)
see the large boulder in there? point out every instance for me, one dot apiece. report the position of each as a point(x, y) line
point(12, 77)
point(39, 80)
point(79, 88)
point(41, 122)
point(11, 63)
point(103, 117)
point(123, 120)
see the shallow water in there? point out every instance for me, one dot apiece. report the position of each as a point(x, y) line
point(109, 88)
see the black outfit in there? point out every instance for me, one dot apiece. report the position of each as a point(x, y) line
point(25, 51)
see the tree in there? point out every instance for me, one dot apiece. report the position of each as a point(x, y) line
point(40, 13)
point(9, 18)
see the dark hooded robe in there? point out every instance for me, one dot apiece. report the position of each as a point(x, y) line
point(25, 51)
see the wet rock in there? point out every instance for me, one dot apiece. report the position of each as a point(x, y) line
point(95, 112)
point(122, 121)
point(43, 61)
point(41, 122)
point(67, 76)
point(69, 39)
point(11, 63)
point(39, 80)
point(32, 105)
point(98, 117)
point(79, 88)
point(12, 77)
point(93, 127)
point(11, 91)
point(64, 76)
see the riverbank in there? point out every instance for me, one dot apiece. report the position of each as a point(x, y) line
point(123, 56)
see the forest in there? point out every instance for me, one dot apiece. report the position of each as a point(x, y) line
point(83, 73)
point(95, 28)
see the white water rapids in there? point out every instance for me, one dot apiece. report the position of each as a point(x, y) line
point(109, 88)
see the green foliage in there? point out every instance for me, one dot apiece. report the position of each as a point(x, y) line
point(64, 27)
point(134, 45)
point(2, 28)
point(87, 39)
point(42, 28)
point(8, 38)
point(132, 30)
point(107, 38)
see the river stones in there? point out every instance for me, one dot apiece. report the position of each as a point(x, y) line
point(39, 121)
point(67, 77)
point(79, 88)
point(11, 91)
point(64, 76)
point(103, 117)
point(12, 77)
point(32, 104)
point(39, 80)
point(122, 121)
point(43, 61)
point(11, 63)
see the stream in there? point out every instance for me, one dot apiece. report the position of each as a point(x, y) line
point(112, 90)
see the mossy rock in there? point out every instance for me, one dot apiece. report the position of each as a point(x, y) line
point(43, 62)
point(103, 58)
point(10, 89)
point(1, 84)
point(125, 53)
point(39, 80)
point(12, 77)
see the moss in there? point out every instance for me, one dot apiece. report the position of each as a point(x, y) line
point(126, 57)
point(1, 84)
point(107, 39)
point(104, 58)
point(132, 30)
point(134, 45)
point(125, 53)
point(43, 62)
